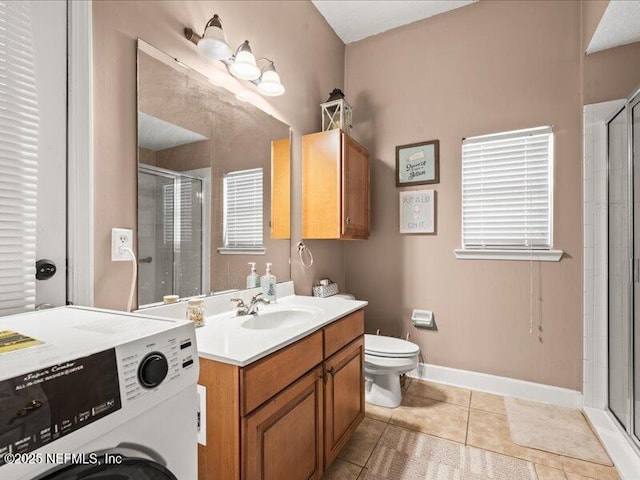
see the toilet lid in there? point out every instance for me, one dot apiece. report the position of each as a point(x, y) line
point(382, 346)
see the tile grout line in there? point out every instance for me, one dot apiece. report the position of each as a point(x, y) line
point(375, 446)
point(466, 435)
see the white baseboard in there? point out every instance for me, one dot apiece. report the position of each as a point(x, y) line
point(498, 385)
point(622, 454)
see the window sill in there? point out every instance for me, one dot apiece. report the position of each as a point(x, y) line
point(242, 251)
point(535, 255)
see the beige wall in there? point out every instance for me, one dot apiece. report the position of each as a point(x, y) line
point(310, 60)
point(611, 74)
point(488, 67)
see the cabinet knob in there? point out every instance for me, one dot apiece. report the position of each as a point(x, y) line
point(347, 220)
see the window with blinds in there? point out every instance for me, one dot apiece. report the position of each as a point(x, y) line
point(243, 210)
point(19, 160)
point(507, 186)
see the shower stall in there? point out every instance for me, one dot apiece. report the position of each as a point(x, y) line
point(623, 158)
point(171, 234)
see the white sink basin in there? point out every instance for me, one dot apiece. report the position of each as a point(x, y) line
point(278, 319)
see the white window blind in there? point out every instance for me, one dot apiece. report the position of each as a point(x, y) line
point(243, 206)
point(18, 159)
point(507, 185)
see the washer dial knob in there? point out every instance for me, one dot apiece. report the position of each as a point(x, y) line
point(153, 370)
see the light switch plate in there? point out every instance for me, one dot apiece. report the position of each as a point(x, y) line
point(121, 237)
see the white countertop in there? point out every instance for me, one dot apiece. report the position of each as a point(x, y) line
point(225, 340)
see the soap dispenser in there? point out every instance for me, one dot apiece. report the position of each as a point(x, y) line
point(268, 283)
point(253, 280)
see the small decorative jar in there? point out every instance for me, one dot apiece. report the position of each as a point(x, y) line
point(336, 112)
point(196, 312)
point(170, 299)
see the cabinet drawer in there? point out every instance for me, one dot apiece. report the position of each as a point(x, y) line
point(262, 380)
point(343, 332)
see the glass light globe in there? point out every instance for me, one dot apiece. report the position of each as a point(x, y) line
point(213, 43)
point(245, 67)
point(270, 84)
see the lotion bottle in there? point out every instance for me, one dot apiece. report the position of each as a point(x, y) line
point(268, 283)
point(253, 280)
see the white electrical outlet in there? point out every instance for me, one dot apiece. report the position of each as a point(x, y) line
point(121, 238)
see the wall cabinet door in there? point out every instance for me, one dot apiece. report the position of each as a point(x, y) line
point(344, 397)
point(283, 439)
point(335, 187)
point(355, 189)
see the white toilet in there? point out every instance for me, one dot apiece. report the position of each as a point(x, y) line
point(385, 359)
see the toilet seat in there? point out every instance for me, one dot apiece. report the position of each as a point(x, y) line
point(389, 365)
point(382, 346)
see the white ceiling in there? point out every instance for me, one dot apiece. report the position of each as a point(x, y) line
point(354, 20)
point(155, 134)
point(620, 25)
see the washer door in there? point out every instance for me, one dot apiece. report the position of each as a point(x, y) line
point(129, 468)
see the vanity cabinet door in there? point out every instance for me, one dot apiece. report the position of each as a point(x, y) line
point(355, 189)
point(344, 397)
point(283, 439)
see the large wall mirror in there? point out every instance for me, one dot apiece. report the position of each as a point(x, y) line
point(214, 182)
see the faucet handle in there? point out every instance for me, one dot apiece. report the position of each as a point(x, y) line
point(256, 297)
point(239, 302)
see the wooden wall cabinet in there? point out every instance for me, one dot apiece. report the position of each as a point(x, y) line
point(280, 221)
point(335, 187)
point(288, 415)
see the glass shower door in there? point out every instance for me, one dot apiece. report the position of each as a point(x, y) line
point(188, 237)
point(155, 237)
point(635, 152)
point(170, 235)
point(619, 269)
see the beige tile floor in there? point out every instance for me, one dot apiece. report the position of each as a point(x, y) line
point(472, 418)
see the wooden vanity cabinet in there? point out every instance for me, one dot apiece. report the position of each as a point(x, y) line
point(344, 398)
point(288, 415)
point(283, 439)
point(335, 187)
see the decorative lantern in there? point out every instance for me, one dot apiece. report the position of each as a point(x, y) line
point(336, 112)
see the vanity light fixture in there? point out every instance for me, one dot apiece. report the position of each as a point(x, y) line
point(270, 81)
point(243, 64)
point(213, 43)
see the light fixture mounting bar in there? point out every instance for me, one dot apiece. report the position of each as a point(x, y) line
point(192, 36)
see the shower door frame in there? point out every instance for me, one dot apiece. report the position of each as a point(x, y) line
point(629, 432)
point(175, 176)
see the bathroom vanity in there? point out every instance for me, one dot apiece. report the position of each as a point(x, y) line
point(289, 414)
point(284, 388)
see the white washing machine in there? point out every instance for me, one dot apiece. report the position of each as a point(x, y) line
point(93, 394)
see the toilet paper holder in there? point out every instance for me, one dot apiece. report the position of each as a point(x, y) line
point(423, 319)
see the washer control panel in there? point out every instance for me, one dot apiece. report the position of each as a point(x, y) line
point(155, 362)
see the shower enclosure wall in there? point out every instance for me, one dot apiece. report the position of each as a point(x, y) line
point(171, 242)
point(623, 133)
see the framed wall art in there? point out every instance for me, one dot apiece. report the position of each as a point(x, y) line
point(418, 163)
point(417, 211)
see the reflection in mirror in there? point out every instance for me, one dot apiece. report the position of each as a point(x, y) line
point(214, 179)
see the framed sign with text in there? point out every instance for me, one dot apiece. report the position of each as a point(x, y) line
point(418, 163)
point(417, 212)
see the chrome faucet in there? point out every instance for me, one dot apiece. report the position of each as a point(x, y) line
point(251, 309)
